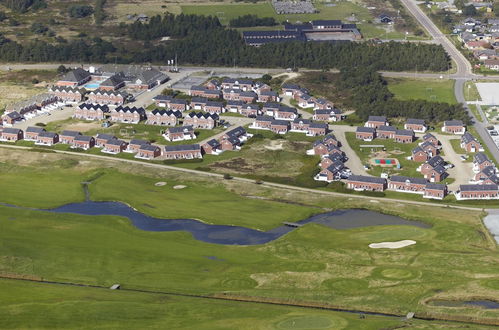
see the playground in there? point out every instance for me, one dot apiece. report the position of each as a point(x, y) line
point(385, 162)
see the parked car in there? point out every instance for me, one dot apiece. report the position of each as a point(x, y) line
point(463, 158)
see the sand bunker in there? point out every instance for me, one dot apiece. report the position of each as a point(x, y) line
point(160, 184)
point(392, 245)
point(179, 186)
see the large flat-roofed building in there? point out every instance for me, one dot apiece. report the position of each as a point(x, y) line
point(320, 30)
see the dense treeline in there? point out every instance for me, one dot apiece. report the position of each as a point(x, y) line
point(23, 5)
point(203, 41)
point(252, 20)
point(370, 96)
point(178, 26)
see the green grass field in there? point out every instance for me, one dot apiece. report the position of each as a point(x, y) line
point(471, 92)
point(36, 305)
point(226, 12)
point(419, 89)
point(474, 109)
point(399, 151)
point(311, 264)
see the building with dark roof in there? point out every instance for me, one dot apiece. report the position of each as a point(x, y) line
point(366, 183)
point(74, 78)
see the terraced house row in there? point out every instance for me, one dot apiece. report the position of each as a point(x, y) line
point(379, 127)
point(402, 184)
point(332, 164)
point(134, 115)
point(324, 110)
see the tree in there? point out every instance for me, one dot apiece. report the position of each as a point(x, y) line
point(266, 78)
point(460, 4)
point(61, 69)
point(469, 11)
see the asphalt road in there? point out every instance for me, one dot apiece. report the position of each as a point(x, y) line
point(480, 127)
point(464, 70)
point(463, 66)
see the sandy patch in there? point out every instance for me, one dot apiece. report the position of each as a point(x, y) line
point(83, 127)
point(392, 245)
point(179, 187)
point(274, 145)
point(160, 184)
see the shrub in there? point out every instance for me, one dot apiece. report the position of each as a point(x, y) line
point(38, 28)
point(80, 11)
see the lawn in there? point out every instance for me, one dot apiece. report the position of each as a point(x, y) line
point(471, 92)
point(142, 131)
point(477, 114)
point(311, 264)
point(422, 89)
point(37, 305)
point(210, 203)
point(226, 12)
point(399, 151)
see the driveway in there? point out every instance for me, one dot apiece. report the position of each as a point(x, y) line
point(234, 122)
point(354, 163)
point(462, 171)
point(304, 114)
point(55, 115)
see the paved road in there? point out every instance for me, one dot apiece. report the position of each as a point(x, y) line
point(464, 70)
point(304, 114)
point(265, 184)
point(354, 163)
point(463, 65)
point(479, 126)
point(55, 115)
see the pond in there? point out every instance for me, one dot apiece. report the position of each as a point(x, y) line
point(485, 304)
point(234, 235)
point(491, 221)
